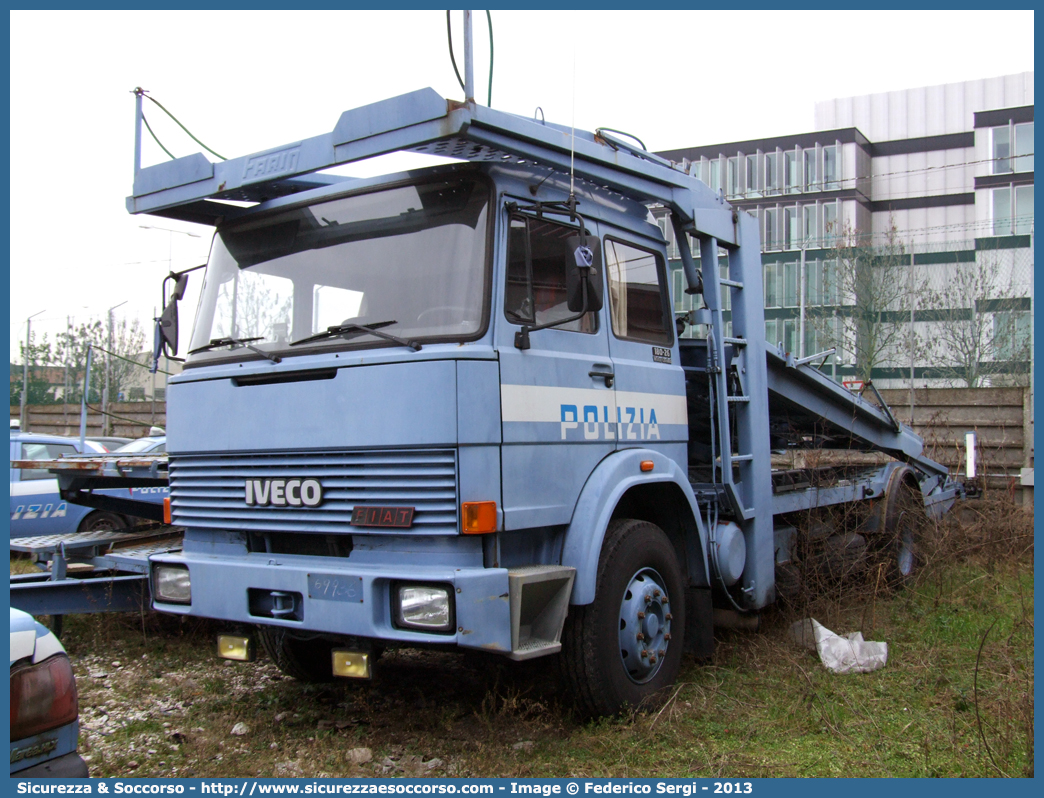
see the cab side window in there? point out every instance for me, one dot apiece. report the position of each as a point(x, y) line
point(638, 294)
point(536, 275)
point(43, 451)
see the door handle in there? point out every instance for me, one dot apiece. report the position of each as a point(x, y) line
point(607, 376)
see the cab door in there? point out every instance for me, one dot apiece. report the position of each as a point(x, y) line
point(650, 383)
point(557, 399)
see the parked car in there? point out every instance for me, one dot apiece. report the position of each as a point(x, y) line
point(36, 506)
point(110, 442)
point(148, 445)
point(44, 704)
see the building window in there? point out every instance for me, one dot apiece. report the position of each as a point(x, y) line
point(1001, 144)
point(1001, 211)
point(733, 176)
point(770, 228)
point(790, 172)
point(772, 275)
point(820, 283)
point(752, 175)
point(810, 170)
point(790, 228)
point(1023, 210)
point(1011, 335)
point(1012, 210)
point(715, 175)
point(831, 174)
point(771, 178)
point(790, 284)
point(830, 231)
point(809, 212)
point(770, 332)
point(789, 336)
point(1024, 147)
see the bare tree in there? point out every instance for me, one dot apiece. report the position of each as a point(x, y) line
point(978, 320)
point(128, 344)
point(876, 288)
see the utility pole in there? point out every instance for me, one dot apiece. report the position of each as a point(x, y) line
point(23, 421)
point(910, 291)
point(106, 423)
point(65, 376)
point(802, 283)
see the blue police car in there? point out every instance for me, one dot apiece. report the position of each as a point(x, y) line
point(36, 506)
point(44, 704)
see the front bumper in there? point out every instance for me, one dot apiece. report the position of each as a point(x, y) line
point(70, 766)
point(237, 589)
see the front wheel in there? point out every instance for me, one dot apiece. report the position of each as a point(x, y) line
point(304, 660)
point(625, 648)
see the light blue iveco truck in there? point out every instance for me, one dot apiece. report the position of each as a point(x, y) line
point(456, 407)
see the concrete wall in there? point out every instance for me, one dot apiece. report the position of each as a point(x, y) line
point(1002, 419)
point(65, 419)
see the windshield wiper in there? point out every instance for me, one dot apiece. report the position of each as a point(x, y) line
point(228, 341)
point(349, 330)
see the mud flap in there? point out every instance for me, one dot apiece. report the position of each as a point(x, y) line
point(699, 622)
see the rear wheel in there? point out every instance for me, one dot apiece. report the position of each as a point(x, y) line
point(100, 521)
point(623, 649)
point(897, 546)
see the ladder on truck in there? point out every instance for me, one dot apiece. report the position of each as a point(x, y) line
point(739, 402)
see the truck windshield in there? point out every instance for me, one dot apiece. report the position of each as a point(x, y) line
point(410, 261)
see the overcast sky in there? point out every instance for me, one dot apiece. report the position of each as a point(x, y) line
point(247, 81)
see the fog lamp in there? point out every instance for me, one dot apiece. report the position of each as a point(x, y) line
point(351, 664)
point(172, 584)
point(235, 647)
point(426, 607)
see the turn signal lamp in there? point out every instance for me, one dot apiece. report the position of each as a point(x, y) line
point(351, 664)
point(166, 510)
point(235, 647)
point(646, 465)
point(479, 518)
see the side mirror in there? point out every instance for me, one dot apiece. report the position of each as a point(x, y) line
point(167, 325)
point(583, 267)
point(165, 334)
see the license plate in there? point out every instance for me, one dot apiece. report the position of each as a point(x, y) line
point(393, 517)
point(335, 587)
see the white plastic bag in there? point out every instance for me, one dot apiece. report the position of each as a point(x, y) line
point(848, 654)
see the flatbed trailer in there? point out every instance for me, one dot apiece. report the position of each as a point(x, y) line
point(507, 445)
point(102, 570)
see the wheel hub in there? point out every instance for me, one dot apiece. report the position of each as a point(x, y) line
point(645, 625)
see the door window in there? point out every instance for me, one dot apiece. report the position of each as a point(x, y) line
point(43, 451)
point(536, 275)
point(637, 294)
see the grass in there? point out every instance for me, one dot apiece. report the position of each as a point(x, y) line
point(955, 699)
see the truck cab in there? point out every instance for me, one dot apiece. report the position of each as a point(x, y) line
point(381, 459)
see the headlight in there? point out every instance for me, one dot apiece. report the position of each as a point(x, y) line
point(425, 607)
point(43, 696)
point(172, 584)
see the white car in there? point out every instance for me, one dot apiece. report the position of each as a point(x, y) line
point(44, 705)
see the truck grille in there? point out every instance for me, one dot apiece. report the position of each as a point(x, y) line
point(208, 491)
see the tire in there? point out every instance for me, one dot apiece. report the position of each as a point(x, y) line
point(304, 660)
point(639, 590)
point(100, 521)
point(897, 549)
